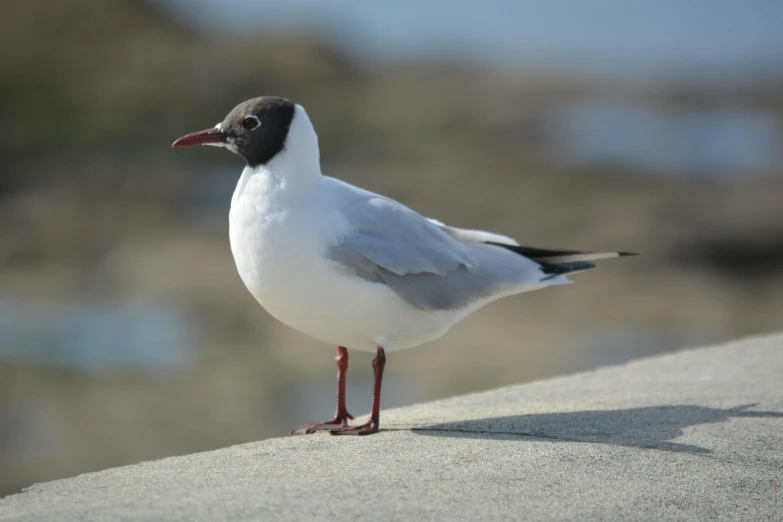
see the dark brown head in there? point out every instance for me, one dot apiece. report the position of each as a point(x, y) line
point(256, 130)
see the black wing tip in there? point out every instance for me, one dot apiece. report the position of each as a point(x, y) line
point(541, 254)
point(560, 269)
point(533, 252)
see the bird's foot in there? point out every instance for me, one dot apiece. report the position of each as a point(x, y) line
point(339, 422)
point(363, 429)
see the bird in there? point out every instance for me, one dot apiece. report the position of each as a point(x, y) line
point(353, 268)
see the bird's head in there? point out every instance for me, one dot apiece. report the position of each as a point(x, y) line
point(258, 130)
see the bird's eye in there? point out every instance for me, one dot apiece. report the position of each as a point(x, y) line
point(250, 122)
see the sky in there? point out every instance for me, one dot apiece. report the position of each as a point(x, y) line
point(685, 39)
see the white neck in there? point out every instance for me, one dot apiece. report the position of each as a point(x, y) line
point(299, 161)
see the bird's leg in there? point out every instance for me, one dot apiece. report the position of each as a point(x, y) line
point(341, 416)
point(375, 416)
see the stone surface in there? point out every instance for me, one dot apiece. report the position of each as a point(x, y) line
point(694, 435)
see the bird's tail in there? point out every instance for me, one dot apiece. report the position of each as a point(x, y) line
point(556, 263)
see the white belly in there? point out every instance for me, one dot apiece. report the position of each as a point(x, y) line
point(280, 259)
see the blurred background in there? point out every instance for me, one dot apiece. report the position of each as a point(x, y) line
point(125, 332)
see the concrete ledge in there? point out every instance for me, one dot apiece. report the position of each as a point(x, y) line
point(695, 435)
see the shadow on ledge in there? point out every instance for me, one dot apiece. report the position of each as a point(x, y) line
point(649, 427)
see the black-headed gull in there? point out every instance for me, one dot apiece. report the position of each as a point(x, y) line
point(350, 267)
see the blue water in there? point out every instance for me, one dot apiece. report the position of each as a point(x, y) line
point(94, 337)
point(697, 40)
point(727, 143)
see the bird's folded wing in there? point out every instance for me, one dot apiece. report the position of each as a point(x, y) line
point(400, 240)
point(426, 266)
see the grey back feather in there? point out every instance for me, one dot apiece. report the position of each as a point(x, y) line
point(400, 240)
point(429, 268)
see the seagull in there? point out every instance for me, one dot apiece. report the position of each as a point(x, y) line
point(353, 268)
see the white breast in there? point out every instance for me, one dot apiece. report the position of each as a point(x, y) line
point(273, 244)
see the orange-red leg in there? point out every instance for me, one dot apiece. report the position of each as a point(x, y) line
point(378, 364)
point(341, 416)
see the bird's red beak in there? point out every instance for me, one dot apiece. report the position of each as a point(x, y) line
point(205, 137)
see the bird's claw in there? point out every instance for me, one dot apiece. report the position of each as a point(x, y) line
point(363, 429)
point(337, 423)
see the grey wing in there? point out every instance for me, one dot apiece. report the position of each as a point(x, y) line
point(424, 264)
point(400, 240)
